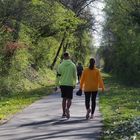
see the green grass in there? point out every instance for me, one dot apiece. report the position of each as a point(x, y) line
point(11, 103)
point(120, 106)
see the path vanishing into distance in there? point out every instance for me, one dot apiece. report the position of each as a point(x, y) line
point(42, 121)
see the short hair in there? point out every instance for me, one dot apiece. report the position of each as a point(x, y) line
point(66, 55)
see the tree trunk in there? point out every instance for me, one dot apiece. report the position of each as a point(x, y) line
point(58, 51)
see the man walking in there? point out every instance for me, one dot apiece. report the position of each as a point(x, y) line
point(79, 71)
point(67, 75)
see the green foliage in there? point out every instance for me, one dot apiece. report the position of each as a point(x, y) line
point(121, 50)
point(31, 32)
point(11, 104)
point(82, 46)
point(30, 35)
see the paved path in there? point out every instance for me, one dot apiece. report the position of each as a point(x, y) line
point(42, 121)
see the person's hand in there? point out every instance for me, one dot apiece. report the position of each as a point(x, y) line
point(103, 90)
point(79, 92)
point(80, 89)
point(73, 87)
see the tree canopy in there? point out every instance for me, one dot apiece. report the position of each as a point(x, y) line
point(120, 46)
point(34, 34)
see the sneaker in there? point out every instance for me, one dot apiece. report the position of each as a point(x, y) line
point(88, 112)
point(67, 113)
point(91, 117)
point(63, 115)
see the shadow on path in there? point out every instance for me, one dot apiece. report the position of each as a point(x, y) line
point(42, 121)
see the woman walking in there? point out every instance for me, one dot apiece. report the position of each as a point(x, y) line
point(90, 82)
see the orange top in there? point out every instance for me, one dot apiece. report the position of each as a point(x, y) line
point(91, 80)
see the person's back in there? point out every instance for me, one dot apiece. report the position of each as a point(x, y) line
point(91, 79)
point(79, 70)
point(67, 81)
point(67, 70)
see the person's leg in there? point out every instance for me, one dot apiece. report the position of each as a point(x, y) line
point(78, 78)
point(68, 104)
point(64, 107)
point(69, 97)
point(87, 103)
point(63, 100)
point(93, 104)
point(87, 100)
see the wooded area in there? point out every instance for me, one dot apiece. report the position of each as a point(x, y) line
point(34, 34)
point(121, 41)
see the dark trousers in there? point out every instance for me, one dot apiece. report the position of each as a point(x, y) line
point(90, 96)
point(79, 76)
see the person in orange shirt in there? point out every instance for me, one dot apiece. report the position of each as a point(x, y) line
point(90, 82)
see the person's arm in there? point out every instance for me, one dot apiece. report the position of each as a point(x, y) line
point(82, 80)
point(75, 76)
point(58, 76)
point(101, 83)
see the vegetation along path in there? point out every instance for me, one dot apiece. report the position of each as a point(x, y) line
point(42, 120)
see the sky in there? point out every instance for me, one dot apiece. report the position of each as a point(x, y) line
point(97, 10)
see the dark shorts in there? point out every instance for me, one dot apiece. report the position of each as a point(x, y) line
point(66, 92)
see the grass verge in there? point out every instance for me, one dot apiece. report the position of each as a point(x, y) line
point(120, 106)
point(11, 103)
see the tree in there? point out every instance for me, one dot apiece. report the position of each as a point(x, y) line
point(122, 52)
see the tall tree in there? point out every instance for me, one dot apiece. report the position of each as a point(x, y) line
point(121, 49)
